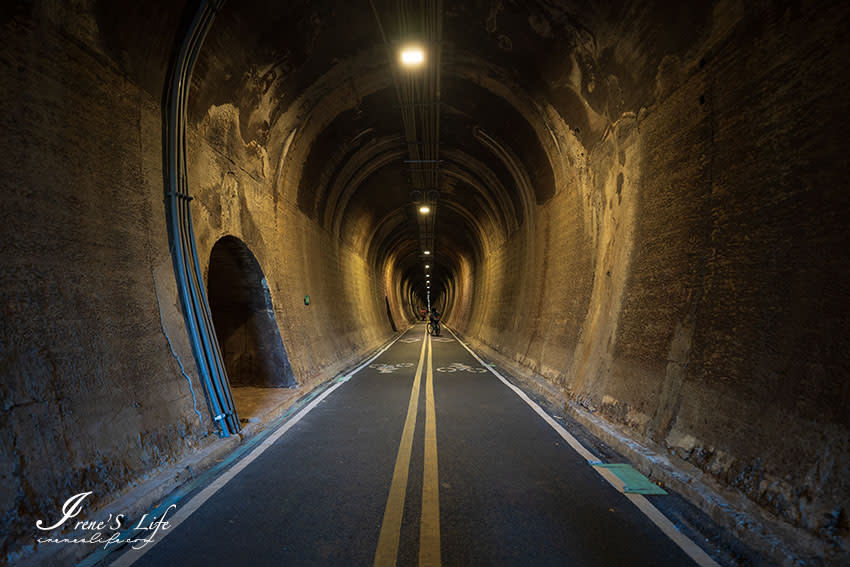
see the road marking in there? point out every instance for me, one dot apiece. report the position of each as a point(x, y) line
point(429, 528)
point(391, 525)
point(390, 368)
point(461, 367)
point(565, 435)
point(694, 551)
point(131, 556)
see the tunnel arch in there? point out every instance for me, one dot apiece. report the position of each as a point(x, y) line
point(641, 207)
point(327, 123)
point(539, 246)
point(244, 318)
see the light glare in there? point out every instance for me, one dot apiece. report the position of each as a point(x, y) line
point(412, 56)
point(424, 209)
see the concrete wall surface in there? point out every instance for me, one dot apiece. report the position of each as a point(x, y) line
point(93, 340)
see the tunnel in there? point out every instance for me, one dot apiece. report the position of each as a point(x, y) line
point(636, 211)
point(243, 318)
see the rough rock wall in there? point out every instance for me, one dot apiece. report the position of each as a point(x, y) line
point(93, 394)
point(92, 397)
point(744, 172)
point(710, 298)
point(235, 194)
point(531, 293)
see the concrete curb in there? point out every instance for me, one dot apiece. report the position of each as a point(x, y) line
point(732, 511)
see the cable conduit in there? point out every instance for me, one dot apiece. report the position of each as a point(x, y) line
point(181, 234)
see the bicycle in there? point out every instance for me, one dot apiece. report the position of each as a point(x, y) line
point(434, 328)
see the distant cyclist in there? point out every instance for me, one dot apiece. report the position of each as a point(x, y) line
point(435, 322)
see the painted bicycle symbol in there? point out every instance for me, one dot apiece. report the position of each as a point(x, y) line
point(410, 340)
point(461, 367)
point(442, 340)
point(390, 368)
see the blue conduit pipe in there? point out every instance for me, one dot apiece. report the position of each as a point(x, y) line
point(181, 234)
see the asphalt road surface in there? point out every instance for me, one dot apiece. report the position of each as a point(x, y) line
point(422, 458)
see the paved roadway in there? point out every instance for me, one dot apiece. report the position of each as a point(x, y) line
point(423, 457)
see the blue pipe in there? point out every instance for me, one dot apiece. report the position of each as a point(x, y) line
point(181, 234)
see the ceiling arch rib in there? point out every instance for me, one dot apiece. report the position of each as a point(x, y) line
point(359, 156)
point(521, 117)
point(357, 171)
point(319, 174)
point(460, 221)
point(493, 194)
point(521, 179)
point(391, 228)
point(318, 106)
point(334, 114)
point(460, 236)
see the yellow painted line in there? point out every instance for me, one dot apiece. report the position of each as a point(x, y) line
point(391, 526)
point(189, 508)
point(429, 527)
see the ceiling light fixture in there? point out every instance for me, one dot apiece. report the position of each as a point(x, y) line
point(412, 56)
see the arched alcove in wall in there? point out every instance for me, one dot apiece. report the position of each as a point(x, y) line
point(244, 319)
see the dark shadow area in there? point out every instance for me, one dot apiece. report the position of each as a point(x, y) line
point(244, 319)
point(390, 315)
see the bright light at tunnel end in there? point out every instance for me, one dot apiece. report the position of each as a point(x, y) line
point(412, 56)
point(426, 252)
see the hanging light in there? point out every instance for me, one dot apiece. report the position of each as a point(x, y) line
point(412, 56)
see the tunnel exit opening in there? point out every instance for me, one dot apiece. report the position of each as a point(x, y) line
point(243, 315)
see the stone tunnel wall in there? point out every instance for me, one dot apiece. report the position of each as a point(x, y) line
point(235, 194)
point(704, 306)
point(92, 396)
point(689, 280)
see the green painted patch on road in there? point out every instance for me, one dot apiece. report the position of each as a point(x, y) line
point(633, 481)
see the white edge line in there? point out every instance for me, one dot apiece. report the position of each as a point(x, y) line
point(133, 555)
point(694, 551)
point(572, 441)
point(687, 545)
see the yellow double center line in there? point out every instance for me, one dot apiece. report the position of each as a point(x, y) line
point(429, 530)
